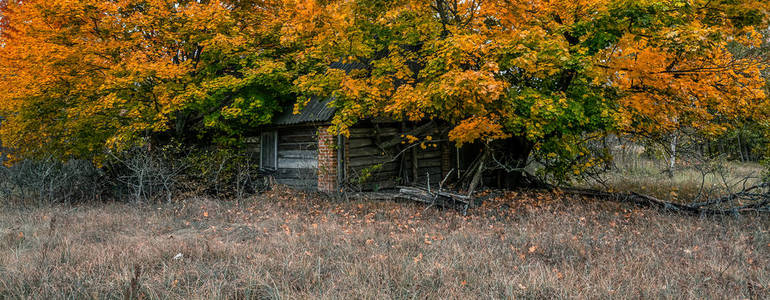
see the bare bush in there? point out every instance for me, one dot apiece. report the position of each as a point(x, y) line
point(644, 166)
point(224, 173)
point(51, 181)
point(143, 175)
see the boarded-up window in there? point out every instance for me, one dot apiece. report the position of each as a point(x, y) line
point(269, 151)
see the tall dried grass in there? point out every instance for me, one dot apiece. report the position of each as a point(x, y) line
point(285, 245)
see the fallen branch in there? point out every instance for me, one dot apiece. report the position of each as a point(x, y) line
point(704, 208)
point(438, 198)
point(731, 197)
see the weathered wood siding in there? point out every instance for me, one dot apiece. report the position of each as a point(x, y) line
point(298, 157)
point(386, 169)
point(366, 165)
point(253, 147)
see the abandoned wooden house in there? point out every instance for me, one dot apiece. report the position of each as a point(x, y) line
point(299, 151)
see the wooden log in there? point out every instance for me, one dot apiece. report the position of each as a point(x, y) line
point(420, 130)
point(441, 198)
point(368, 132)
point(366, 152)
point(355, 143)
point(368, 162)
point(297, 163)
point(298, 154)
point(297, 146)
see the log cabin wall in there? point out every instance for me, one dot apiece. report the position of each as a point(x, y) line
point(252, 147)
point(366, 166)
point(297, 164)
point(369, 167)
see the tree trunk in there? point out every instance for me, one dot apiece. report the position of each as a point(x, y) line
point(672, 160)
point(740, 146)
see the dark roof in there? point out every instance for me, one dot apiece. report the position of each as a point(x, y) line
point(315, 111)
point(318, 109)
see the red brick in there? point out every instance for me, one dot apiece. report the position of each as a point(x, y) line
point(327, 161)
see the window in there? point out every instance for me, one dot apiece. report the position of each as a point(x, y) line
point(268, 158)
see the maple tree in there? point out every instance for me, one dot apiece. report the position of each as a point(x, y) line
point(537, 76)
point(540, 75)
point(80, 76)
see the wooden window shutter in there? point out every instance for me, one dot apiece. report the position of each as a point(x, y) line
point(269, 151)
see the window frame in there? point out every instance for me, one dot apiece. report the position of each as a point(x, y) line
point(262, 147)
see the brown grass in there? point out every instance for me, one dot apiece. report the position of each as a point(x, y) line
point(687, 185)
point(283, 245)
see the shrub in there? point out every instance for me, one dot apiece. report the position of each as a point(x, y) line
point(51, 181)
point(144, 174)
point(222, 173)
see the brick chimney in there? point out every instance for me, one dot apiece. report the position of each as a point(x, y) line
point(327, 160)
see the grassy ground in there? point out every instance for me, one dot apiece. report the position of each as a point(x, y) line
point(284, 245)
point(688, 183)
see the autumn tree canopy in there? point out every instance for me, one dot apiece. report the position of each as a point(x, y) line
point(548, 72)
point(82, 75)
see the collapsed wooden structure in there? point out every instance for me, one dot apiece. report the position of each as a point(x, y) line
point(375, 156)
point(298, 150)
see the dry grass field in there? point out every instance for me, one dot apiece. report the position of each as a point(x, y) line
point(688, 184)
point(284, 245)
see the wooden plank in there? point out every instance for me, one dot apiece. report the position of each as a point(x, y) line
point(298, 134)
point(253, 150)
point(385, 176)
point(418, 131)
point(297, 146)
point(379, 173)
point(251, 140)
point(297, 139)
point(383, 131)
point(369, 131)
point(305, 173)
point(428, 163)
point(431, 170)
point(367, 162)
point(363, 131)
point(385, 167)
point(354, 143)
point(435, 176)
point(428, 154)
point(366, 152)
point(297, 163)
point(299, 154)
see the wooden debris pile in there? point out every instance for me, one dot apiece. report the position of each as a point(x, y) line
point(437, 197)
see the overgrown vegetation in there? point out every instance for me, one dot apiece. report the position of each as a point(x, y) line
point(48, 181)
point(138, 108)
point(139, 175)
point(644, 166)
point(86, 78)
